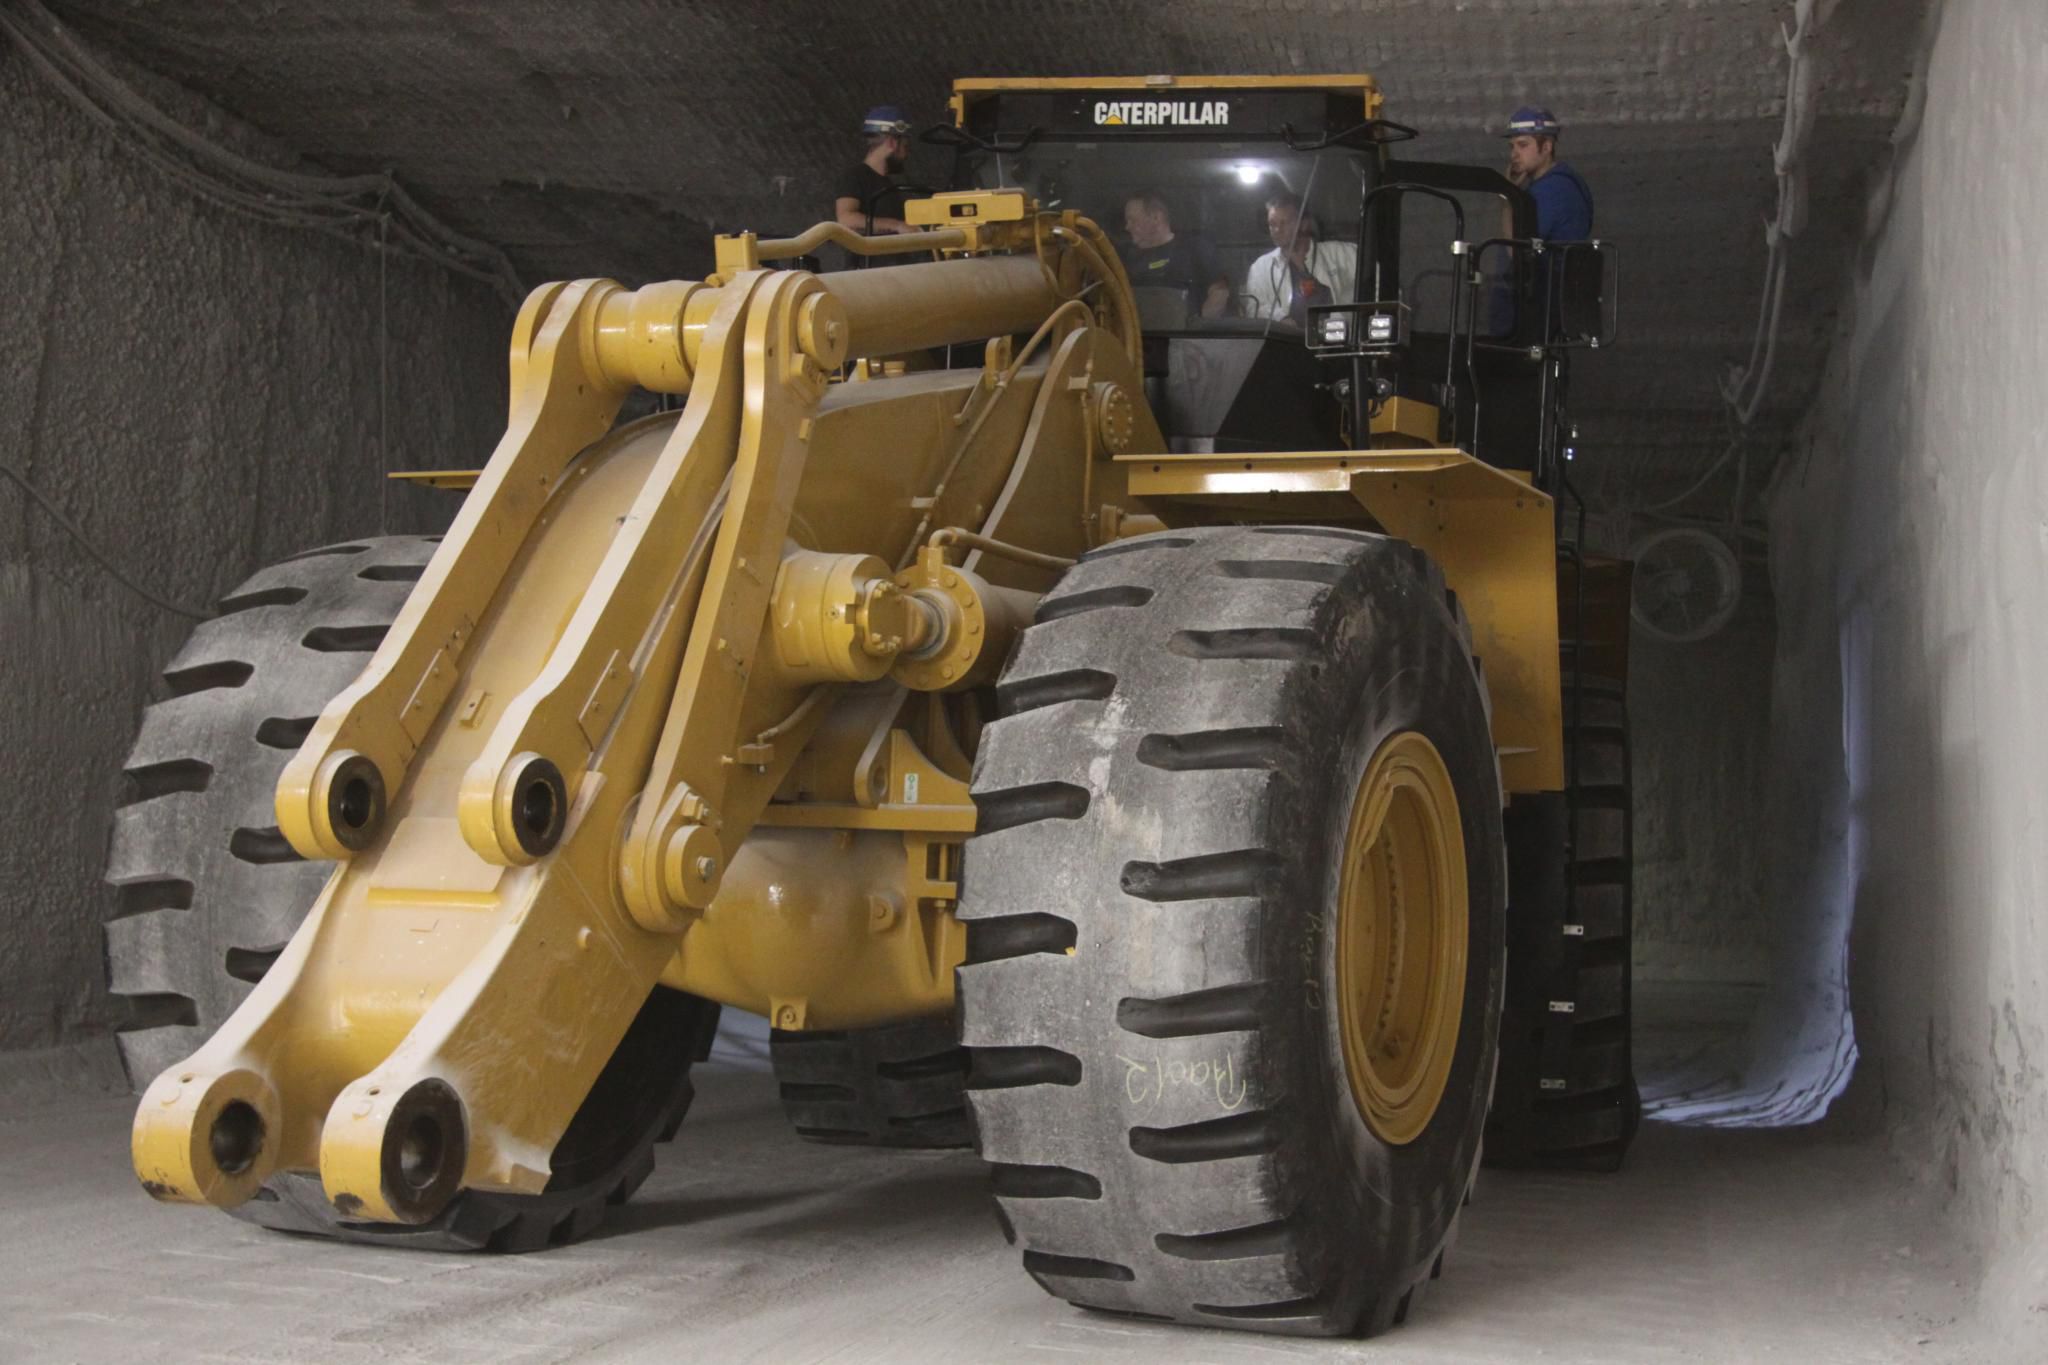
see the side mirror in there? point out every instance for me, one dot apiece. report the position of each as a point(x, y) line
point(1584, 293)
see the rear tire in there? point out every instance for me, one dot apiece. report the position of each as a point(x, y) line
point(895, 1085)
point(208, 892)
point(1151, 994)
point(1567, 1095)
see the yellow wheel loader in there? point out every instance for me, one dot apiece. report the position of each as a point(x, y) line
point(1123, 723)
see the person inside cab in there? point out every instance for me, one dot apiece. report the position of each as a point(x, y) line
point(1301, 271)
point(1159, 258)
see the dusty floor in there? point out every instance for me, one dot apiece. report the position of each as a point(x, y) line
point(748, 1244)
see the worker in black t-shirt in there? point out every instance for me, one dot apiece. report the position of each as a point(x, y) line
point(867, 198)
point(1158, 258)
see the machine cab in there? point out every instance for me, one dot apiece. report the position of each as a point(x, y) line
point(1207, 182)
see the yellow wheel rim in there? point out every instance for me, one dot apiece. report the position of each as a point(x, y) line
point(1401, 935)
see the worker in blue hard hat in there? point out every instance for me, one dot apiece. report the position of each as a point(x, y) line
point(867, 197)
point(1564, 203)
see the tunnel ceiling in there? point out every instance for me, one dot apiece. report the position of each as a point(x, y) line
point(613, 137)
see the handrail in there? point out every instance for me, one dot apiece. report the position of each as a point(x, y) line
point(895, 244)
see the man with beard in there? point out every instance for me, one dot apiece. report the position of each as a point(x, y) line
point(868, 197)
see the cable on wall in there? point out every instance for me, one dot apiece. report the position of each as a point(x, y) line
point(354, 208)
point(1743, 388)
point(370, 210)
point(93, 551)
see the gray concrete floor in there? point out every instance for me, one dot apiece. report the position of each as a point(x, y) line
point(748, 1245)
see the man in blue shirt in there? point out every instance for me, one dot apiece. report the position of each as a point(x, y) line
point(1564, 205)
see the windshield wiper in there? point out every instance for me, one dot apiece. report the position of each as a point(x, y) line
point(946, 135)
point(1377, 132)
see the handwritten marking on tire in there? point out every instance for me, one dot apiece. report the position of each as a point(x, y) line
point(1146, 1082)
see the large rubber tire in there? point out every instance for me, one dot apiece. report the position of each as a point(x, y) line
point(1156, 1069)
point(896, 1085)
point(207, 891)
point(639, 1099)
point(1567, 1094)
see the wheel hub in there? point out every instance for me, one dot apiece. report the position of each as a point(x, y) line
point(1401, 937)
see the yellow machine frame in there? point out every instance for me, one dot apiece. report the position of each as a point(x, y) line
point(689, 701)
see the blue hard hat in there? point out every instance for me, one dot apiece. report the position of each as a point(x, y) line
point(885, 118)
point(1532, 120)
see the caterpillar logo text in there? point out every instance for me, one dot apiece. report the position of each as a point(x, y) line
point(1170, 113)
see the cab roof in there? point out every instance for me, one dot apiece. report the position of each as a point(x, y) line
point(1344, 83)
point(1336, 88)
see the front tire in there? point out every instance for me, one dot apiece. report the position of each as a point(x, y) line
point(1165, 996)
point(208, 891)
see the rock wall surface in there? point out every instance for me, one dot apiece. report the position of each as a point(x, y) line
point(614, 136)
point(1910, 552)
point(202, 395)
point(1699, 716)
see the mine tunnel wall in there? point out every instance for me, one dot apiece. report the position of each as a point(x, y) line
point(200, 392)
point(1909, 749)
point(1699, 716)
